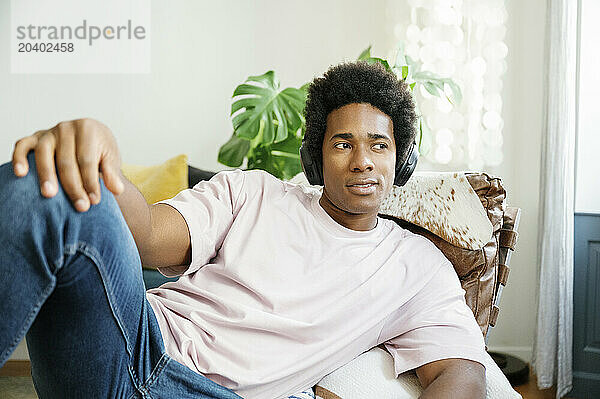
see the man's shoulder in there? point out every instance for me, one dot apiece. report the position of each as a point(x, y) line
point(414, 239)
point(251, 179)
point(420, 249)
point(261, 187)
point(261, 178)
point(256, 176)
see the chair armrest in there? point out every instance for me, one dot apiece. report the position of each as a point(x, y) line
point(507, 243)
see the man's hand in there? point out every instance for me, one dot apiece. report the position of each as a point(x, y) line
point(452, 378)
point(84, 149)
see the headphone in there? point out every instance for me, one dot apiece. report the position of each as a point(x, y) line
point(313, 169)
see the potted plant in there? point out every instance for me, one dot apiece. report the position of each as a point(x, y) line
point(268, 122)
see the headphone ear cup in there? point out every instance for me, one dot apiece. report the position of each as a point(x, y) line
point(311, 168)
point(405, 171)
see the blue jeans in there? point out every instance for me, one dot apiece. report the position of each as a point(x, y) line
point(73, 283)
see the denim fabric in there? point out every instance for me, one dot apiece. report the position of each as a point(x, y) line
point(73, 283)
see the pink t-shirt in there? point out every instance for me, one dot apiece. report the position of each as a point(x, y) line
point(278, 294)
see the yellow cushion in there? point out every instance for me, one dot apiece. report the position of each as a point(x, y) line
point(159, 182)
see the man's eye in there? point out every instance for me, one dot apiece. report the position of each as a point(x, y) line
point(342, 145)
point(383, 145)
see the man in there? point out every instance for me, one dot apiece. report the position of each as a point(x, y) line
point(280, 284)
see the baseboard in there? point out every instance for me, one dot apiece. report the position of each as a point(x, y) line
point(522, 352)
point(20, 352)
point(16, 368)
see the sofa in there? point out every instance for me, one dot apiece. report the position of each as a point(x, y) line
point(483, 272)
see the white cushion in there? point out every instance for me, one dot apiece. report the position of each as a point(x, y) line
point(371, 375)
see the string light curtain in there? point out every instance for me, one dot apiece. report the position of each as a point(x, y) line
point(462, 40)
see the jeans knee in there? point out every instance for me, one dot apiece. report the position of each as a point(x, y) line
point(19, 192)
point(52, 227)
point(22, 197)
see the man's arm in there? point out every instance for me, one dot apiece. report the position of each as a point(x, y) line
point(452, 378)
point(160, 232)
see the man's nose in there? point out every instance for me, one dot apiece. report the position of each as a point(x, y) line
point(361, 160)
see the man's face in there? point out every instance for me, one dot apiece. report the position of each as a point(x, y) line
point(359, 158)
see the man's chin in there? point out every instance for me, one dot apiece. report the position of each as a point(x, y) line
point(363, 207)
point(357, 204)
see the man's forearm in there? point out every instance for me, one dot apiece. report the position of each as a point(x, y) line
point(136, 213)
point(455, 383)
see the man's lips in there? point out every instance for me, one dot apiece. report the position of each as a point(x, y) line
point(361, 182)
point(363, 187)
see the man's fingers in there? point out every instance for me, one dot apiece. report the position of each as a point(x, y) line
point(76, 150)
point(44, 161)
point(19, 156)
point(112, 177)
point(68, 170)
point(88, 158)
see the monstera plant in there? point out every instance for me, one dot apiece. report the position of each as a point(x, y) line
point(268, 127)
point(268, 122)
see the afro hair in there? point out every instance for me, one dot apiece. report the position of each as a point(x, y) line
point(359, 82)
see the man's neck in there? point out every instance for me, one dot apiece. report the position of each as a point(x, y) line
point(352, 221)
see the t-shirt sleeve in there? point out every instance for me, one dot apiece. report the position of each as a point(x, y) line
point(209, 209)
point(435, 324)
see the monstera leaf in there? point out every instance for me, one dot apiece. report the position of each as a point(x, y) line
point(266, 111)
point(268, 127)
point(280, 159)
point(234, 151)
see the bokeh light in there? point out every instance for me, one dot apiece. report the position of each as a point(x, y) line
point(462, 40)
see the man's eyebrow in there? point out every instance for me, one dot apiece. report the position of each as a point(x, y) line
point(348, 136)
point(377, 136)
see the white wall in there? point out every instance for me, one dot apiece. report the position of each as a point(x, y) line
point(523, 115)
point(201, 50)
point(587, 195)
